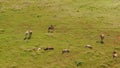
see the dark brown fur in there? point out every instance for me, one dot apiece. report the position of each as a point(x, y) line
point(49, 48)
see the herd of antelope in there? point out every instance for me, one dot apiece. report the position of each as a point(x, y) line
point(28, 35)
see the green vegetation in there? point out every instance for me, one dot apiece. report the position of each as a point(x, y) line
point(77, 23)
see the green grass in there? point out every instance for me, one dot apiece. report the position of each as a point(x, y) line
point(77, 23)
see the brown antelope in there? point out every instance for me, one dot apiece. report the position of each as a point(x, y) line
point(115, 54)
point(65, 51)
point(51, 29)
point(89, 46)
point(49, 48)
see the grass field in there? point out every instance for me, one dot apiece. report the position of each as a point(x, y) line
point(77, 23)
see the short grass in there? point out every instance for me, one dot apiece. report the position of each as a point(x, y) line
point(77, 23)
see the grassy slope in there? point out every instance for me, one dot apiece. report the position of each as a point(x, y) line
point(78, 23)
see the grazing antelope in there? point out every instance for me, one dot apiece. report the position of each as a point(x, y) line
point(65, 51)
point(115, 54)
point(49, 48)
point(37, 49)
point(89, 46)
point(51, 29)
point(34, 49)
